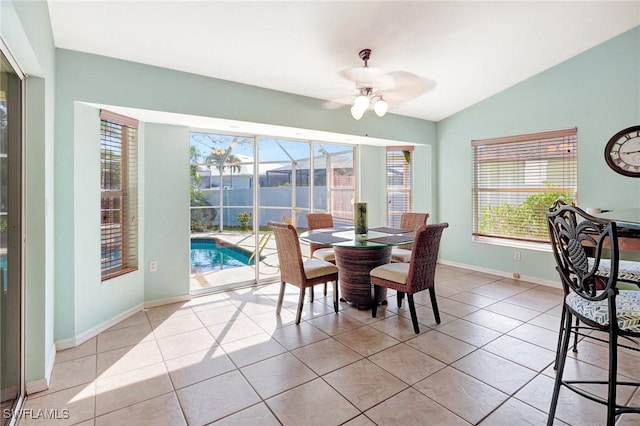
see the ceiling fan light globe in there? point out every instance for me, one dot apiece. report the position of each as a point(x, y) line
point(362, 102)
point(381, 107)
point(356, 112)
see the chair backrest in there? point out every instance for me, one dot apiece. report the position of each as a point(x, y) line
point(318, 221)
point(424, 256)
point(412, 221)
point(289, 254)
point(574, 234)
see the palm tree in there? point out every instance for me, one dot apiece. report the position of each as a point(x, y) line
point(223, 159)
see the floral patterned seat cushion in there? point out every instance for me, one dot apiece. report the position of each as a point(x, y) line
point(627, 270)
point(627, 306)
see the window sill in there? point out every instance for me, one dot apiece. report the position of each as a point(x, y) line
point(107, 277)
point(525, 245)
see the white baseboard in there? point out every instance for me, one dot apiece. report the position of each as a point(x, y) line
point(35, 386)
point(43, 383)
point(167, 301)
point(534, 280)
point(93, 332)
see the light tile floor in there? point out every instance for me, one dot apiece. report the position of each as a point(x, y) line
point(227, 359)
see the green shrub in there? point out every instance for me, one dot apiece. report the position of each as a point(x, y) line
point(244, 218)
point(525, 220)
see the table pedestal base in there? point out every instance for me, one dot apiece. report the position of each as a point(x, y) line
point(354, 265)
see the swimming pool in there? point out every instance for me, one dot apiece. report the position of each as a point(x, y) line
point(3, 265)
point(212, 254)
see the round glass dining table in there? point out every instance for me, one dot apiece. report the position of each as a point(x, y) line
point(357, 255)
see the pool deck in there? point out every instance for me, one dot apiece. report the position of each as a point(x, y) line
point(227, 278)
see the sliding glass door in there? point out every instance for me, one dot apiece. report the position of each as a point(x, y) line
point(11, 293)
point(334, 181)
point(241, 183)
point(223, 238)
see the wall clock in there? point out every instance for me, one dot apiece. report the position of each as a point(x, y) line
point(622, 152)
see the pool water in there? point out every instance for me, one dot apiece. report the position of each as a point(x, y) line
point(5, 278)
point(211, 254)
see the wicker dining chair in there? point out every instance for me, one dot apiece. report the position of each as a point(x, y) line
point(298, 272)
point(411, 221)
point(319, 251)
point(415, 276)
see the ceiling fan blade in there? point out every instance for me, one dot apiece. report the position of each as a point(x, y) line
point(406, 86)
point(367, 76)
point(338, 102)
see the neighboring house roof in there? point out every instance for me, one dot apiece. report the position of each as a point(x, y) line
point(320, 162)
point(246, 165)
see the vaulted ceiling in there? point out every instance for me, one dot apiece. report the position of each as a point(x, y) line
point(472, 50)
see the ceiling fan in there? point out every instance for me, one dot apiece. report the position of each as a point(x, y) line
point(379, 90)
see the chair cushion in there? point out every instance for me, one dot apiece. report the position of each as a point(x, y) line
point(326, 254)
point(628, 270)
point(314, 268)
point(400, 255)
point(397, 272)
point(627, 306)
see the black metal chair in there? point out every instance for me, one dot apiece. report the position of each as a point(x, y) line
point(628, 272)
point(593, 299)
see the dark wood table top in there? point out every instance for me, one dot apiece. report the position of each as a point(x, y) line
point(625, 218)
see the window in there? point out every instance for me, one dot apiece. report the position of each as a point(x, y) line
point(399, 183)
point(517, 178)
point(119, 194)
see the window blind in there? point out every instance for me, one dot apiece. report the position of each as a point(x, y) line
point(119, 194)
point(517, 178)
point(399, 183)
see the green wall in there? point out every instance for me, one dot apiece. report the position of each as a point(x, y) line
point(597, 91)
point(166, 211)
point(84, 78)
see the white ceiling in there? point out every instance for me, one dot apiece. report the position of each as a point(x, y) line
point(471, 49)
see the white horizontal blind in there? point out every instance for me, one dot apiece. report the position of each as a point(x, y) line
point(119, 194)
point(399, 183)
point(517, 178)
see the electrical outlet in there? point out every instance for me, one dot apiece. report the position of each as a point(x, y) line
point(153, 266)
point(516, 255)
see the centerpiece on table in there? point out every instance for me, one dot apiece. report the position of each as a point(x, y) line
point(360, 219)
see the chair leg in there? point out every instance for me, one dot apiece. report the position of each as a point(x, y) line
point(300, 303)
point(325, 289)
point(560, 334)
point(566, 336)
point(434, 304)
point(280, 297)
point(311, 294)
point(336, 306)
point(613, 369)
point(575, 336)
point(400, 296)
point(414, 317)
point(374, 305)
